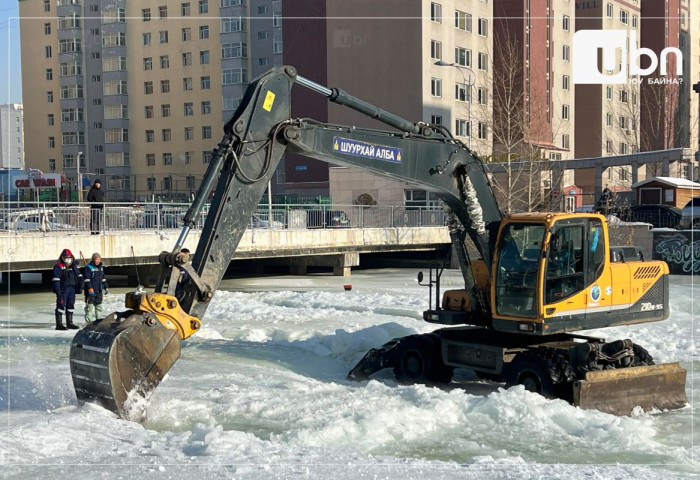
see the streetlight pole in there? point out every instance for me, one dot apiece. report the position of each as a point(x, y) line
point(80, 178)
point(472, 77)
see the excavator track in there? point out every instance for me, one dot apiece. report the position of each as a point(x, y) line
point(118, 362)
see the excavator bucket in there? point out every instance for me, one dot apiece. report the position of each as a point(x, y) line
point(619, 392)
point(118, 362)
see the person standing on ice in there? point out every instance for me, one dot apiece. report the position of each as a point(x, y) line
point(95, 287)
point(67, 281)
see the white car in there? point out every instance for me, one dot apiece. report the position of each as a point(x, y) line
point(34, 220)
point(257, 222)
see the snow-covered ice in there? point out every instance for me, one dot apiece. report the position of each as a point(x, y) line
point(260, 392)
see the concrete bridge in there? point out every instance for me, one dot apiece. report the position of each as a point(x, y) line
point(296, 248)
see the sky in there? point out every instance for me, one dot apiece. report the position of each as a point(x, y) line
point(10, 69)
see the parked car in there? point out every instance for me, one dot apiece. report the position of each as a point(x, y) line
point(659, 216)
point(33, 220)
point(257, 222)
point(690, 215)
point(327, 219)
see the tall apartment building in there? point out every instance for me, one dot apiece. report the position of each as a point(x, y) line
point(11, 136)
point(137, 92)
point(532, 78)
point(385, 52)
point(607, 116)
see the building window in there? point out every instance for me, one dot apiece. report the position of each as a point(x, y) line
point(463, 21)
point(189, 180)
point(608, 92)
point(117, 159)
point(277, 47)
point(163, 11)
point(566, 53)
point(231, 103)
point(149, 111)
point(206, 132)
point(189, 109)
point(165, 110)
point(95, 55)
point(114, 15)
point(151, 182)
point(188, 160)
point(185, 9)
point(623, 148)
point(635, 21)
point(462, 128)
point(262, 35)
point(148, 63)
point(52, 164)
point(565, 82)
point(624, 96)
point(113, 64)
point(609, 10)
point(232, 24)
point(463, 57)
point(205, 83)
point(232, 76)
point(189, 133)
point(49, 74)
point(203, 6)
point(49, 96)
point(163, 36)
point(150, 161)
point(204, 57)
point(276, 19)
point(150, 136)
point(483, 61)
point(47, 51)
point(206, 157)
point(146, 14)
point(565, 112)
point(262, 10)
point(462, 93)
point(51, 119)
point(436, 87)
point(608, 146)
point(146, 38)
point(566, 23)
point(147, 88)
point(116, 135)
point(622, 122)
point(436, 12)
point(483, 131)
point(234, 50)
point(482, 95)
point(70, 68)
point(186, 34)
point(72, 115)
point(47, 5)
point(164, 61)
point(203, 32)
point(166, 134)
point(47, 29)
point(114, 87)
point(263, 61)
point(565, 141)
point(186, 59)
point(165, 86)
point(436, 119)
point(52, 142)
point(71, 91)
point(624, 17)
point(187, 84)
point(206, 107)
point(608, 120)
point(167, 160)
point(483, 27)
point(435, 50)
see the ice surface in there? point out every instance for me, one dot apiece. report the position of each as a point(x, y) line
point(260, 392)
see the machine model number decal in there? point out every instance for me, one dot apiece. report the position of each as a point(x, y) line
point(367, 150)
point(269, 100)
point(648, 306)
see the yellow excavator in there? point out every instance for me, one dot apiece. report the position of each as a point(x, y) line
point(535, 277)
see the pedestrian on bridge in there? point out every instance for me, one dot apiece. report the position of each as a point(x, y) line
point(96, 196)
point(95, 287)
point(67, 281)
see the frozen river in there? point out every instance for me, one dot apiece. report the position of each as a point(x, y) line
point(260, 392)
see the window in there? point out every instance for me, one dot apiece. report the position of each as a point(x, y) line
point(608, 92)
point(436, 12)
point(206, 132)
point(187, 83)
point(232, 24)
point(116, 135)
point(277, 47)
point(163, 35)
point(483, 27)
point(116, 159)
point(189, 109)
point(203, 32)
point(203, 6)
point(483, 61)
point(206, 157)
point(47, 51)
point(163, 12)
point(114, 87)
point(462, 128)
point(146, 38)
point(71, 68)
point(149, 111)
point(71, 91)
point(188, 160)
point(262, 35)
point(167, 160)
point(167, 181)
point(114, 15)
point(565, 112)
point(234, 50)
point(186, 34)
point(463, 57)
point(47, 29)
point(185, 9)
point(624, 17)
point(566, 53)
point(566, 23)
point(70, 22)
point(146, 14)
point(461, 93)
point(150, 136)
point(482, 95)
point(276, 19)
point(166, 134)
point(205, 83)
point(189, 180)
point(436, 87)
point(69, 45)
point(608, 146)
point(231, 103)
point(204, 57)
point(263, 61)
point(113, 64)
point(622, 122)
point(52, 142)
point(147, 88)
point(51, 119)
point(189, 133)
point(483, 131)
point(623, 148)
point(608, 119)
point(624, 96)
point(206, 107)
point(150, 161)
point(565, 82)
point(49, 97)
point(148, 63)
point(436, 119)
point(187, 59)
point(565, 141)
point(151, 182)
point(164, 86)
point(49, 74)
point(47, 5)
point(73, 138)
point(609, 10)
point(463, 21)
point(165, 110)
point(164, 61)
point(232, 3)
point(262, 10)
point(230, 76)
point(435, 50)
point(635, 21)
point(52, 164)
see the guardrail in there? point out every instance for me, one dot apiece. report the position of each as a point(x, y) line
point(49, 217)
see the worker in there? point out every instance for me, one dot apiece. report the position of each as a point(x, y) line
point(183, 257)
point(96, 196)
point(67, 281)
point(95, 287)
point(559, 262)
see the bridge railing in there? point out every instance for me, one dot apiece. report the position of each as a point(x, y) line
point(50, 217)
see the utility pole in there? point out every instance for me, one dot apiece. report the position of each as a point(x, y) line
point(80, 178)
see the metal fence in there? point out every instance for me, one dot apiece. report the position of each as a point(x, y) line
point(49, 217)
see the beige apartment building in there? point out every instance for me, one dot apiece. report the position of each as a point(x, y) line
point(136, 93)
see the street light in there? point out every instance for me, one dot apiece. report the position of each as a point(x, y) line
point(80, 178)
point(472, 77)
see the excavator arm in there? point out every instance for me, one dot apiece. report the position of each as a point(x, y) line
point(120, 360)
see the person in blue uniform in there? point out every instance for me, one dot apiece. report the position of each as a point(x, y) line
point(67, 281)
point(95, 287)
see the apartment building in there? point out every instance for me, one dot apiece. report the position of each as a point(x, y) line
point(136, 93)
point(11, 136)
point(387, 53)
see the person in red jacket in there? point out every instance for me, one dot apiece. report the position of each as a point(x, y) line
point(67, 281)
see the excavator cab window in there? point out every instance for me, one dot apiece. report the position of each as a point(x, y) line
point(518, 261)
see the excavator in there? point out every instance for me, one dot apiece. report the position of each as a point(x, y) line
point(532, 281)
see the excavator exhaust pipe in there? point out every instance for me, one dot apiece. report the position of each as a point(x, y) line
point(118, 362)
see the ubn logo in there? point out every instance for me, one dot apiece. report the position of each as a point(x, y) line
point(585, 57)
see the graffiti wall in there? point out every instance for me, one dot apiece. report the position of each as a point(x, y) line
point(681, 250)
